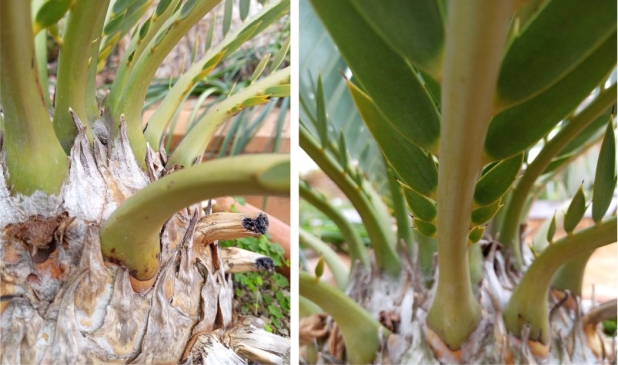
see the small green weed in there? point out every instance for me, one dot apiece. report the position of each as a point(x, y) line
point(264, 295)
point(609, 327)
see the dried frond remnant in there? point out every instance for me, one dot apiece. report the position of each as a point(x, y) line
point(238, 260)
point(258, 225)
point(221, 347)
point(313, 327)
point(227, 226)
point(39, 234)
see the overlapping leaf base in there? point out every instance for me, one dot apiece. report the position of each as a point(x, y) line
point(61, 303)
point(401, 305)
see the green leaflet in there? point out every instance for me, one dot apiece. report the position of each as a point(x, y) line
point(553, 45)
point(159, 37)
point(497, 181)
point(337, 267)
point(50, 13)
point(358, 176)
point(422, 207)
point(186, 9)
point(144, 29)
point(123, 23)
point(106, 49)
point(256, 100)
point(518, 128)
point(210, 35)
point(322, 122)
point(134, 13)
point(605, 176)
point(475, 234)
point(425, 228)
point(400, 210)
point(280, 55)
point(551, 231)
point(396, 89)
point(343, 152)
point(415, 29)
point(121, 5)
point(114, 24)
point(259, 68)
point(576, 210)
point(203, 72)
point(319, 268)
point(162, 6)
point(484, 214)
point(414, 167)
point(243, 8)
point(279, 91)
point(227, 15)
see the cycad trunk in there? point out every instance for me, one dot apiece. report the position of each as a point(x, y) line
point(62, 303)
point(402, 305)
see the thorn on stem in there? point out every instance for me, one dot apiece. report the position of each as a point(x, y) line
point(81, 128)
point(208, 209)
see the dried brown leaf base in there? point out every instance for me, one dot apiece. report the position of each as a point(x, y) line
point(407, 301)
point(62, 303)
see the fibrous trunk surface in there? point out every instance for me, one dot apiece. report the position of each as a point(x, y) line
point(401, 305)
point(62, 303)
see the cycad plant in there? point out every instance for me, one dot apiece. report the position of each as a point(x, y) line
point(105, 255)
point(455, 96)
